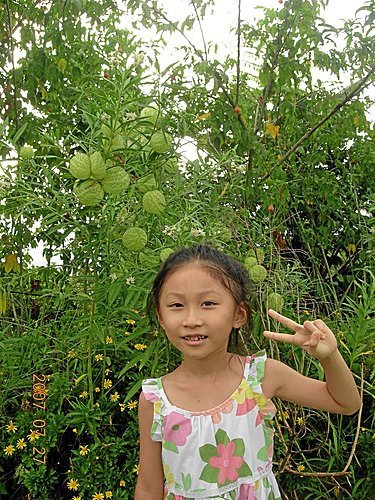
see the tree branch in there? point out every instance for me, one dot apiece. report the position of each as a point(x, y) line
point(200, 26)
point(238, 52)
point(359, 86)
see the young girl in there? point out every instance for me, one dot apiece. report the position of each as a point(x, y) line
point(205, 428)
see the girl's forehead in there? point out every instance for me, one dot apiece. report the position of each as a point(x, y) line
point(192, 274)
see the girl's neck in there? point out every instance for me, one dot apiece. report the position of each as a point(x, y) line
point(216, 363)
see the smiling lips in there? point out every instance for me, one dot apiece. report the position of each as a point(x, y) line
point(194, 338)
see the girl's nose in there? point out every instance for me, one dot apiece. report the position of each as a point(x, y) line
point(192, 319)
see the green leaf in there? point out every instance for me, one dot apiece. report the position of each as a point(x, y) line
point(186, 481)
point(169, 445)
point(239, 447)
point(210, 474)
point(136, 387)
point(207, 451)
point(221, 437)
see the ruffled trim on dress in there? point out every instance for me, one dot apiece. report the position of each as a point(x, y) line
point(151, 391)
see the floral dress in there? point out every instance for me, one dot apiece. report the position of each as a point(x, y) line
point(222, 453)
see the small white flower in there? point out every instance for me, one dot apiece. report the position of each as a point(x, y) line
point(113, 276)
point(130, 116)
point(130, 280)
point(197, 232)
point(139, 58)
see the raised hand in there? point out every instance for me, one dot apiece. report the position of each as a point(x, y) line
point(314, 337)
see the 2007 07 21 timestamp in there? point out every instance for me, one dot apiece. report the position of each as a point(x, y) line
point(39, 401)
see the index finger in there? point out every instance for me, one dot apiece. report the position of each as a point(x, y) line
point(289, 323)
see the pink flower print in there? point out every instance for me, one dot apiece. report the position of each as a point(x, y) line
point(216, 417)
point(247, 492)
point(151, 396)
point(226, 462)
point(176, 428)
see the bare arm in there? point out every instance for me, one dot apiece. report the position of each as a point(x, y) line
point(337, 394)
point(150, 484)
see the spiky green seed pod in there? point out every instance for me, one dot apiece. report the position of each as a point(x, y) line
point(165, 253)
point(116, 180)
point(250, 262)
point(154, 202)
point(258, 254)
point(147, 183)
point(26, 152)
point(80, 166)
point(150, 115)
point(89, 192)
point(257, 273)
point(134, 239)
point(98, 166)
point(275, 301)
point(161, 142)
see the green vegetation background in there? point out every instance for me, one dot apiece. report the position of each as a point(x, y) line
point(285, 163)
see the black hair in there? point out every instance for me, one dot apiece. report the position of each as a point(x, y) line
point(228, 271)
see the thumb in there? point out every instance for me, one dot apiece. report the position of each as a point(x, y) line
point(314, 339)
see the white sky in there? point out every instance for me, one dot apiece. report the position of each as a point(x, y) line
point(217, 26)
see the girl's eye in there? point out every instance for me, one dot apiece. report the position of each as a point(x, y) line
point(209, 303)
point(175, 305)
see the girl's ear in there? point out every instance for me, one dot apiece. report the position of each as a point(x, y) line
point(241, 315)
point(159, 318)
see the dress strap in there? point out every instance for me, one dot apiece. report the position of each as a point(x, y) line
point(151, 390)
point(257, 363)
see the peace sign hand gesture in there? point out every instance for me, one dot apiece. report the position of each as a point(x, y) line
point(314, 337)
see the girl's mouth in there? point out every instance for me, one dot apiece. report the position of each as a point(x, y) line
point(194, 338)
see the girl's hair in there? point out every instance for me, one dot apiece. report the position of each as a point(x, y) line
point(228, 271)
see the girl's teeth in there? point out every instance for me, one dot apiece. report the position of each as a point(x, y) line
point(194, 338)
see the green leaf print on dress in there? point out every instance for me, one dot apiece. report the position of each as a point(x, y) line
point(225, 463)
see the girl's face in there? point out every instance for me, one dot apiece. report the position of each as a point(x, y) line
point(197, 312)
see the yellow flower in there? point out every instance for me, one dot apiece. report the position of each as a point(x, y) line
point(97, 389)
point(122, 406)
point(107, 371)
point(99, 357)
point(84, 450)
point(132, 404)
point(84, 394)
point(108, 494)
point(130, 321)
point(9, 450)
point(11, 427)
point(108, 340)
point(96, 405)
point(122, 483)
point(272, 130)
point(114, 397)
point(72, 354)
point(279, 157)
point(140, 347)
point(21, 444)
point(136, 469)
point(300, 468)
point(107, 383)
point(73, 484)
point(127, 333)
point(300, 420)
point(33, 436)
point(75, 430)
point(76, 498)
point(98, 496)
